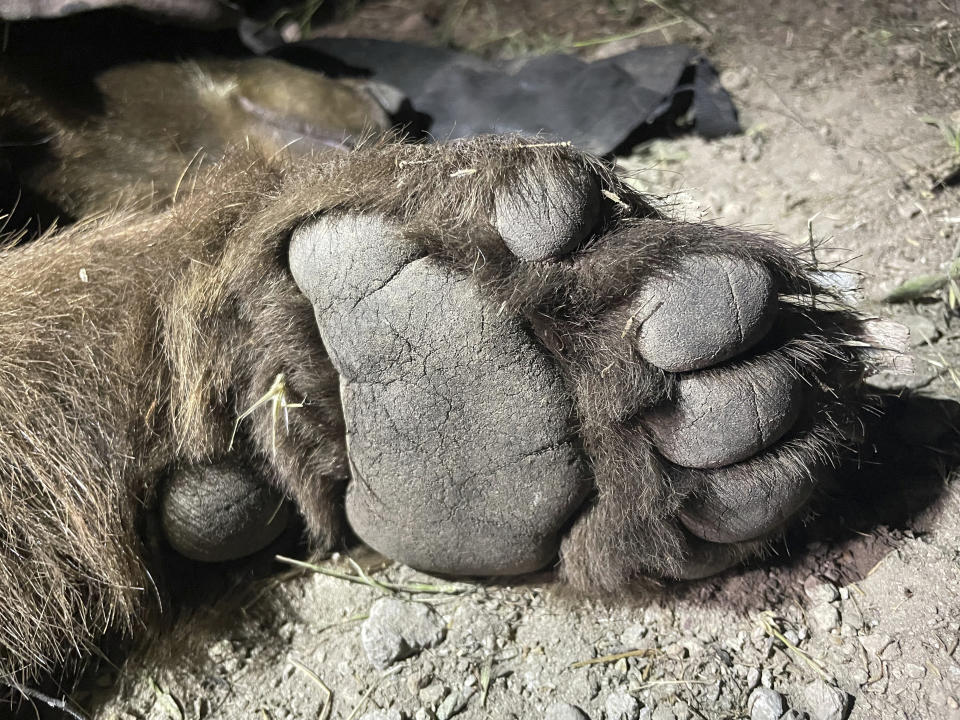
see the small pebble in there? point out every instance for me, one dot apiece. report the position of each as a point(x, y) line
point(858, 676)
point(449, 707)
point(875, 644)
point(892, 651)
point(820, 590)
point(657, 616)
point(565, 711)
point(921, 329)
point(766, 704)
point(621, 706)
point(663, 712)
point(381, 715)
point(431, 695)
point(397, 629)
point(416, 682)
point(825, 617)
point(633, 636)
point(826, 702)
point(915, 671)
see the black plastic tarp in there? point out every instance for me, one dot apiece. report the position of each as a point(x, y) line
point(599, 106)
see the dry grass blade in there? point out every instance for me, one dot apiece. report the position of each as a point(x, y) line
point(277, 397)
point(366, 696)
point(768, 622)
point(626, 36)
point(367, 579)
point(613, 658)
point(57, 704)
point(916, 288)
point(384, 587)
point(328, 699)
point(921, 286)
point(655, 683)
point(485, 673)
point(680, 14)
point(330, 572)
point(363, 701)
point(167, 700)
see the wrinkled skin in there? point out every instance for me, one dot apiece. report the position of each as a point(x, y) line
point(487, 357)
point(463, 428)
point(496, 356)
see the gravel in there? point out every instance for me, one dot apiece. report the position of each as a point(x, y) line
point(398, 629)
point(766, 704)
point(825, 617)
point(820, 590)
point(382, 715)
point(622, 706)
point(826, 702)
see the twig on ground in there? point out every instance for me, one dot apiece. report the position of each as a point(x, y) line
point(366, 696)
point(56, 703)
point(328, 700)
point(680, 14)
point(613, 658)
point(167, 700)
point(768, 622)
point(384, 587)
point(626, 36)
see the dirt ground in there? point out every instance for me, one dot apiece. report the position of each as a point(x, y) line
point(851, 112)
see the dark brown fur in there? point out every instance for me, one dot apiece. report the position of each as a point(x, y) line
point(129, 344)
point(95, 142)
point(132, 340)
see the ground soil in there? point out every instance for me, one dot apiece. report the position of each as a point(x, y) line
point(840, 103)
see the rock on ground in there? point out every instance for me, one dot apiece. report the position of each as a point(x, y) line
point(397, 629)
point(766, 704)
point(826, 702)
point(622, 706)
point(382, 715)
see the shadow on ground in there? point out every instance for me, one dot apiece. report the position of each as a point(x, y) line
point(890, 494)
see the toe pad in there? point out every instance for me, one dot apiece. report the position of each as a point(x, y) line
point(540, 218)
point(710, 309)
point(220, 512)
point(727, 414)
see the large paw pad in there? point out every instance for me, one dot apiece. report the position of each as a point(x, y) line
point(459, 428)
point(526, 349)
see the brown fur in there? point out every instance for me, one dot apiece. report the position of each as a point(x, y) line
point(93, 143)
point(131, 341)
point(129, 344)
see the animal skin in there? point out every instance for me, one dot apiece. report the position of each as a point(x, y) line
point(483, 357)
